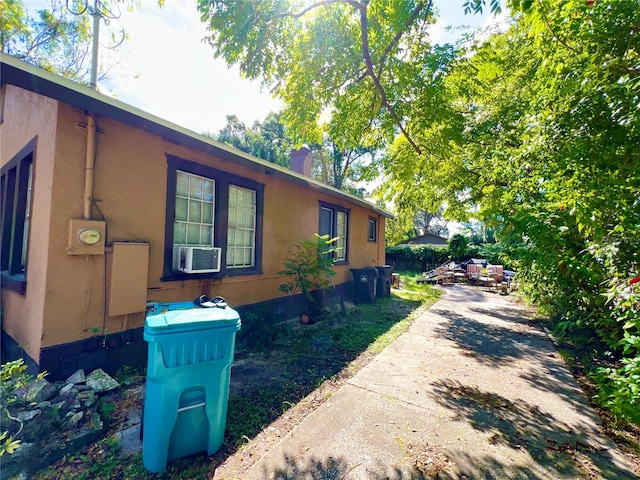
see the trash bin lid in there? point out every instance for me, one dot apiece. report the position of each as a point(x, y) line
point(168, 318)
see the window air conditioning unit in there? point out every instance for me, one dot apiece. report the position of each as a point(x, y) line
point(199, 259)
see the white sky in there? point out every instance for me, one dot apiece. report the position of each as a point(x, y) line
point(166, 69)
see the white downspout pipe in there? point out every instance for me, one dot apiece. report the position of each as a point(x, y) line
point(89, 167)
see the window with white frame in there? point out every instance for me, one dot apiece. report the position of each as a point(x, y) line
point(334, 222)
point(207, 207)
point(194, 211)
point(372, 235)
point(326, 221)
point(27, 218)
point(341, 236)
point(241, 229)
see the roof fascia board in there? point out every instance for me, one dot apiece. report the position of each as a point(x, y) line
point(21, 74)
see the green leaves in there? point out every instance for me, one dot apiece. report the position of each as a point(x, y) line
point(621, 389)
point(351, 63)
point(267, 140)
point(310, 267)
point(13, 375)
point(535, 131)
point(7, 444)
point(477, 6)
point(552, 129)
point(56, 38)
point(12, 23)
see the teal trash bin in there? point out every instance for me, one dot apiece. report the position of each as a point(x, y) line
point(188, 371)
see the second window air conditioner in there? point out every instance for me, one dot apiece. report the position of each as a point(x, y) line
point(199, 259)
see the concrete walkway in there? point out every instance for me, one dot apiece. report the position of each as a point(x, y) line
point(472, 391)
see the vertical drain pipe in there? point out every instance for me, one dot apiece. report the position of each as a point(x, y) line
point(89, 167)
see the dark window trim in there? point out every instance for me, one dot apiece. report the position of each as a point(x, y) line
point(14, 186)
point(337, 208)
point(3, 95)
point(375, 230)
point(221, 213)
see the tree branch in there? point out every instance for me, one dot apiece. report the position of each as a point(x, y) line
point(41, 39)
point(383, 94)
point(353, 3)
point(412, 18)
point(362, 7)
point(556, 34)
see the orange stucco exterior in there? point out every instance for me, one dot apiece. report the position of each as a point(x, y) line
point(66, 295)
point(25, 116)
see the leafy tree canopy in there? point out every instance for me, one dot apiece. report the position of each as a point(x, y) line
point(266, 140)
point(431, 222)
point(533, 131)
point(547, 124)
point(269, 140)
point(53, 39)
point(58, 38)
point(358, 62)
point(341, 168)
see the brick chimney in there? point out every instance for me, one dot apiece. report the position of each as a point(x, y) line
point(302, 161)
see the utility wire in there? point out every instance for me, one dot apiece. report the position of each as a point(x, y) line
point(106, 13)
point(104, 8)
point(86, 6)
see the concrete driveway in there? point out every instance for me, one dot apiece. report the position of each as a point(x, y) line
point(473, 390)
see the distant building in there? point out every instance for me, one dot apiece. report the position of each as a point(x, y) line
point(426, 239)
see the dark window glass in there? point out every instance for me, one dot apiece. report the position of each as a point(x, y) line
point(334, 222)
point(16, 181)
point(373, 230)
point(326, 221)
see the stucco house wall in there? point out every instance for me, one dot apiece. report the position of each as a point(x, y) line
point(33, 121)
point(61, 320)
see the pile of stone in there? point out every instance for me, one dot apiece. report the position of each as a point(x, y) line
point(52, 420)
